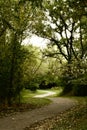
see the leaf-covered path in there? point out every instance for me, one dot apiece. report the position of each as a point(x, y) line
point(21, 120)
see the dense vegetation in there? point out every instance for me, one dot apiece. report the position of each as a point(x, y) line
point(62, 63)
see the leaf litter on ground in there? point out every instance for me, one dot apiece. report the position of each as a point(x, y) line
point(73, 119)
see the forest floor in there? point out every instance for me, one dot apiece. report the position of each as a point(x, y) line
point(74, 118)
point(25, 120)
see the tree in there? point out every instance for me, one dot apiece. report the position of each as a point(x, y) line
point(63, 24)
point(60, 26)
point(15, 23)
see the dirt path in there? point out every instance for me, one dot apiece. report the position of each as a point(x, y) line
point(21, 120)
point(47, 93)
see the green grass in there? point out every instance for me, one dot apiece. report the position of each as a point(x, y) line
point(58, 91)
point(74, 119)
point(28, 97)
point(27, 102)
point(27, 93)
point(37, 102)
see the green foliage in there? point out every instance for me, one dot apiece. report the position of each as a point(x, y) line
point(31, 68)
point(50, 78)
point(60, 26)
point(80, 78)
point(11, 71)
point(15, 19)
point(33, 86)
point(64, 24)
point(28, 97)
point(74, 78)
point(80, 86)
point(65, 79)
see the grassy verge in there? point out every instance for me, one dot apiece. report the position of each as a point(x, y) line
point(27, 93)
point(30, 94)
point(28, 97)
point(27, 103)
point(57, 90)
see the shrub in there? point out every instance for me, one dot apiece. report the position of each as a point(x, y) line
point(80, 87)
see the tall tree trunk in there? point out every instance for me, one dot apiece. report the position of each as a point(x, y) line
point(12, 71)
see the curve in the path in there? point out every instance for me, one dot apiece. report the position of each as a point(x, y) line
point(21, 120)
point(47, 93)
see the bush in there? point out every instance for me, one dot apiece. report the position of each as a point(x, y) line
point(31, 86)
point(47, 85)
point(65, 81)
point(73, 79)
point(80, 87)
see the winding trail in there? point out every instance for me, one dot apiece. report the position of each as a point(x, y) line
point(21, 120)
point(47, 93)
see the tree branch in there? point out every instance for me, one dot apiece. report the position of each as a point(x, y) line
point(59, 47)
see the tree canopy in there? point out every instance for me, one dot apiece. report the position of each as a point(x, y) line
point(16, 18)
point(64, 24)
